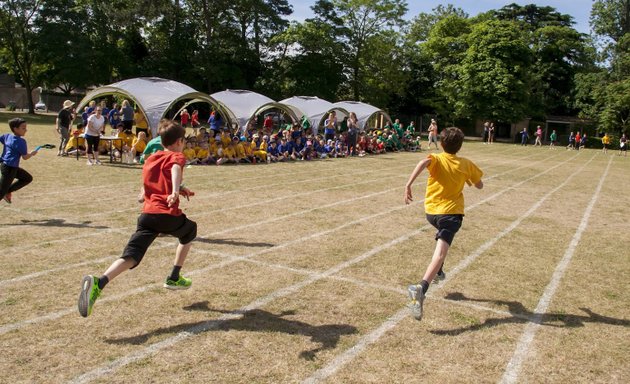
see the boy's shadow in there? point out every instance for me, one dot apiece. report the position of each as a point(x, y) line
point(522, 315)
point(233, 242)
point(255, 320)
point(57, 223)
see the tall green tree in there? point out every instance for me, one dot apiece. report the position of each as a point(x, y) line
point(18, 42)
point(367, 21)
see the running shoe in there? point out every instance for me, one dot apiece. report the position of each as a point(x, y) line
point(181, 283)
point(7, 198)
point(439, 277)
point(89, 293)
point(417, 298)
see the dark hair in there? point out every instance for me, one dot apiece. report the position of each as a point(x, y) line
point(15, 123)
point(172, 132)
point(80, 126)
point(452, 139)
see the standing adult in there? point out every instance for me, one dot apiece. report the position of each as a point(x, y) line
point(491, 133)
point(268, 124)
point(126, 114)
point(142, 125)
point(433, 132)
point(623, 145)
point(486, 132)
point(63, 123)
point(353, 133)
point(95, 127)
point(330, 124)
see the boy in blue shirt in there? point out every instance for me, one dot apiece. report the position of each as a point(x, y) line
point(14, 149)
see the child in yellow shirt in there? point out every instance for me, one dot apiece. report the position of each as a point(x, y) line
point(139, 145)
point(228, 155)
point(443, 204)
point(190, 154)
point(202, 153)
point(76, 143)
point(260, 151)
point(240, 149)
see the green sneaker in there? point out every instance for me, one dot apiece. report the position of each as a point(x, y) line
point(181, 283)
point(89, 293)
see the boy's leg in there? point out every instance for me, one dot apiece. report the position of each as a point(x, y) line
point(186, 231)
point(23, 179)
point(7, 175)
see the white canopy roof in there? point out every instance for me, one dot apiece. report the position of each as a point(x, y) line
point(152, 95)
point(314, 108)
point(247, 104)
point(363, 111)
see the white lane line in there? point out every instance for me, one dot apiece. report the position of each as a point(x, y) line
point(9, 327)
point(282, 292)
point(522, 349)
point(372, 337)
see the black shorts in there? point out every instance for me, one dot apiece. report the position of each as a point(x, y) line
point(447, 226)
point(151, 225)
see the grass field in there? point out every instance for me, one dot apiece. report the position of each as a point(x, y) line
point(300, 272)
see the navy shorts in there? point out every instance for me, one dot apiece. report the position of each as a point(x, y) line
point(151, 225)
point(446, 225)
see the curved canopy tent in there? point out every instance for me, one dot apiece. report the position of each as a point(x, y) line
point(247, 104)
point(364, 112)
point(154, 96)
point(314, 108)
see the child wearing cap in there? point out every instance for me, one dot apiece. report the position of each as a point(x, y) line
point(240, 149)
point(162, 180)
point(443, 204)
point(14, 149)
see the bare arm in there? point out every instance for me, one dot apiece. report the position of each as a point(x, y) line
point(29, 155)
point(419, 168)
point(176, 180)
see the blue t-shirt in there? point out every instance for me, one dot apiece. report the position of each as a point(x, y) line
point(14, 148)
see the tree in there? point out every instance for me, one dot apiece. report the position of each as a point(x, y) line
point(18, 20)
point(365, 20)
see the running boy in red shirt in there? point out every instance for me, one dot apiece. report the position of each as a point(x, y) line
point(162, 178)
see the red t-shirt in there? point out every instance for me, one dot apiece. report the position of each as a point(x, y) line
point(156, 176)
point(184, 118)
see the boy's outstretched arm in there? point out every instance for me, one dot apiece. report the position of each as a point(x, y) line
point(176, 180)
point(419, 168)
point(29, 155)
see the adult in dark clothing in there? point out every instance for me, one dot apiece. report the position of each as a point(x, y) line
point(353, 133)
point(63, 123)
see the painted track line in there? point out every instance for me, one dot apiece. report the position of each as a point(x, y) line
point(123, 230)
point(522, 349)
point(282, 292)
point(372, 337)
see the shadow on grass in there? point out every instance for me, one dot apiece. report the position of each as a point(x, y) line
point(233, 242)
point(57, 223)
point(521, 315)
point(255, 320)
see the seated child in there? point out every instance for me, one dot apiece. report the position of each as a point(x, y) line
point(190, 154)
point(298, 146)
point(228, 155)
point(283, 149)
point(203, 153)
point(260, 149)
point(307, 151)
point(240, 149)
point(139, 145)
point(272, 152)
point(76, 143)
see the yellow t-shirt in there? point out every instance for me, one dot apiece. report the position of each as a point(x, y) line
point(190, 154)
point(240, 150)
point(229, 152)
point(213, 148)
point(202, 153)
point(141, 122)
point(606, 140)
point(247, 147)
point(139, 145)
point(226, 139)
point(128, 138)
point(447, 176)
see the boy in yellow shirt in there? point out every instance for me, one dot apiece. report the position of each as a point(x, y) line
point(203, 152)
point(76, 143)
point(606, 142)
point(443, 204)
point(139, 145)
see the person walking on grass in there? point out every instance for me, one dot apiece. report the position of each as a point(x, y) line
point(539, 134)
point(162, 179)
point(443, 204)
point(605, 142)
point(623, 145)
point(14, 148)
point(553, 138)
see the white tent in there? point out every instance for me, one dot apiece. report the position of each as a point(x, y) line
point(244, 105)
point(314, 108)
point(364, 112)
point(152, 95)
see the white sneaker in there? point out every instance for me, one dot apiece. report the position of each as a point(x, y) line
point(98, 162)
point(89, 162)
point(417, 298)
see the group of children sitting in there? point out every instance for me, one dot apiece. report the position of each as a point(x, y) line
point(217, 147)
point(129, 148)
